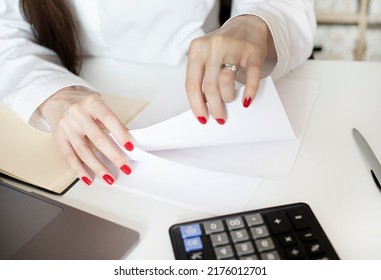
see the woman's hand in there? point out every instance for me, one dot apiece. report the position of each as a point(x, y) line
point(243, 43)
point(79, 121)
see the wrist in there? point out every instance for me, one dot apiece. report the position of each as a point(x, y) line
point(44, 106)
point(256, 22)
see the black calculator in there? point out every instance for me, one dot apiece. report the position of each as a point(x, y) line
point(287, 232)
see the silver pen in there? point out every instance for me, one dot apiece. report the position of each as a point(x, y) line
point(369, 157)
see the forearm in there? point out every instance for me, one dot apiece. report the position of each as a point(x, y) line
point(29, 72)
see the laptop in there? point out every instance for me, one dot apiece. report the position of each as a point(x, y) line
point(35, 227)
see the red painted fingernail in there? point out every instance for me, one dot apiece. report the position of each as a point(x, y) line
point(108, 179)
point(220, 121)
point(86, 180)
point(201, 119)
point(126, 169)
point(247, 102)
point(129, 146)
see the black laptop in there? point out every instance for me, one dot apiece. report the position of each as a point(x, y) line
point(35, 227)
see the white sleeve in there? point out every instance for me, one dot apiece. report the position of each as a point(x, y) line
point(29, 72)
point(292, 24)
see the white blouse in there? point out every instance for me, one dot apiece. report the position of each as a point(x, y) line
point(135, 30)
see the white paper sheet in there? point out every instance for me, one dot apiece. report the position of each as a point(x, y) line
point(200, 189)
point(268, 159)
point(213, 168)
point(264, 120)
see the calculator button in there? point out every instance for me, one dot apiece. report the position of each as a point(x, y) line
point(219, 239)
point(278, 222)
point(252, 257)
point(259, 232)
point(191, 230)
point(314, 249)
point(213, 226)
point(224, 252)
point(193, 244)
point(196, 256)
point(265, 244)
point(323, 258)
point(234, 223)
point(288, 239)
point(299, 218)
point(294, 253)
point(307, 236)
point(272, 255)
point(254, 219)
point(244, 248)
point(239, 235)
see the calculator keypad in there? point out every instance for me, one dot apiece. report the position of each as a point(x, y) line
point(283, 232)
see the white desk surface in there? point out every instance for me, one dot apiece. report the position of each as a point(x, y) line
point(328, 174)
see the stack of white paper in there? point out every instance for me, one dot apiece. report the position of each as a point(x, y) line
point(216, 168)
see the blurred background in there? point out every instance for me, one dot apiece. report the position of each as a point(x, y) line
point(348, 30)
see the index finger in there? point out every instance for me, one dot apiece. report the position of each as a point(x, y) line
point(253, 77)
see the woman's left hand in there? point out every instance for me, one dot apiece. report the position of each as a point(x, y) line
point(215, 59)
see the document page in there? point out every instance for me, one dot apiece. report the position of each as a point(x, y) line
point(264, 120)
point(195, 188)
point(214, 168)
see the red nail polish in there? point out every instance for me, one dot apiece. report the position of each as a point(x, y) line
point(86, 180)
point(108, 179)
point(247, 102)
point(201, 119)
point(220, 121)
point(126, 169)
point(129, 146)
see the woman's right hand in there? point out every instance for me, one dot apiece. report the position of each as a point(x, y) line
point(80, 121)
